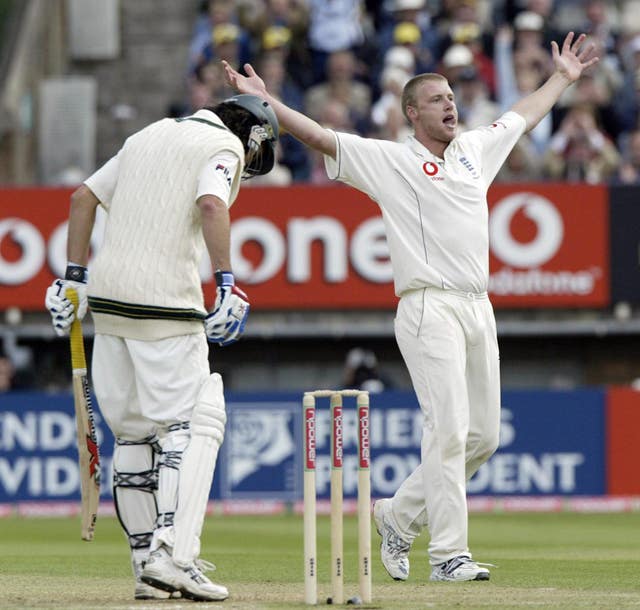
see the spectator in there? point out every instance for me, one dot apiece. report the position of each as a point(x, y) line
point(201, 32)
point(7, 373)
point(218, 12)
point(516, 81)
point(523, 163)
point(292, 14)
point(361, 371)
point(17, 371)
point(207, 86)
point(474, 106)
point(599, 87)
point(408, 18)
point(627, 102)
point(602, 22)
point(457, 15)
point(629, 170)
point(460, 17)
point(276, 40)
point(529, 50)
point(580, 151)
point(282, 26)
point(334, 115)
point(388, 121)
point(205, 83)
point(226, 43)
point(333, 26)
point(546, 10)
point(630, 16)
point(341, 85)
point(456, 59)
point(469, 34)
point(400, 57)
point(408, 35)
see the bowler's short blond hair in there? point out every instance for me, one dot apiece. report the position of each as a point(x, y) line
point(410, 89)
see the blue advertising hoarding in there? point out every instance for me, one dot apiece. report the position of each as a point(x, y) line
point(552, 443)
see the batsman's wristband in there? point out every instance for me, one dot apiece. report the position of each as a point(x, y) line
point(76, 273)
point(224, 278)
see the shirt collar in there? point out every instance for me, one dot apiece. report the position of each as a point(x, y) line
point(207, 115)
point(421, 150)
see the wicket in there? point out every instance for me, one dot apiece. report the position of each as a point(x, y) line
point(364, 495)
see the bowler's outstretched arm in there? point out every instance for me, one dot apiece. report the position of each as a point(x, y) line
point(569, 66)
point(297, 124)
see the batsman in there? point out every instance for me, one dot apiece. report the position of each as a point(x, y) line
point(167, 195)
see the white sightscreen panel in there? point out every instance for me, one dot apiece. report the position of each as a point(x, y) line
point(94, 29)
point(67, 129)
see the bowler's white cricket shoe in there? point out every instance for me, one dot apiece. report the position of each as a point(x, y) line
point(394, 550)
point(459, 569)
point(160, 571)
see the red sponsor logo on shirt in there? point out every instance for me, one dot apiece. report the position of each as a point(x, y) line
point(431, 169)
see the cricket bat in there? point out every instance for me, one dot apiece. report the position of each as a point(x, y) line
point(88, 454)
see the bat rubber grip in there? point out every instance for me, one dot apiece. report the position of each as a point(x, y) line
point(78, 360)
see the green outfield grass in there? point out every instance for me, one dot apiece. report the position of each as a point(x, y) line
point(544, 561)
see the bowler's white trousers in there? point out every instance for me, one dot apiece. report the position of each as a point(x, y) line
point(448, 341)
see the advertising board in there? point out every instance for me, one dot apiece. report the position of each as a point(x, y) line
point(324, 248)
point(552, 443)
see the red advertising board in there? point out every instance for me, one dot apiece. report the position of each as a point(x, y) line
point(549, 245)
point(309, 247)
point(623, 440)
point(32, 239)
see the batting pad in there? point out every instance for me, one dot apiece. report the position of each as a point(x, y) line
point(134, 485)
point(173, 444)
point(197, 467)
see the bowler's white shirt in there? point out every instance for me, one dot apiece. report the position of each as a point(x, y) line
point(434, 210)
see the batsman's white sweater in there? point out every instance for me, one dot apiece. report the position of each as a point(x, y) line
point(144, 283)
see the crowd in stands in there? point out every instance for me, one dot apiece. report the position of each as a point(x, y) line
point(345, 62)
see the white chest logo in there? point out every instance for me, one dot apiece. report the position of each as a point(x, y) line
point(469, 167)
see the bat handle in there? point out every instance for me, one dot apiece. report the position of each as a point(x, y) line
point(78, 360)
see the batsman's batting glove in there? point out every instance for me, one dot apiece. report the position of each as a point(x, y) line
point(59, 306)
point(225, 323)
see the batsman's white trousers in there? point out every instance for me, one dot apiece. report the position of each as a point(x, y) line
point(142, 386)
point(449, 343)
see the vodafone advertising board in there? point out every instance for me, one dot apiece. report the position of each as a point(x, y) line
point(549, 245)
point(324, 247)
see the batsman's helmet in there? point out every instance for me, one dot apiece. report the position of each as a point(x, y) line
point(258, 130)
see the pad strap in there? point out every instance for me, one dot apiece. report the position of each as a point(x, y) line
point(135, 481)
